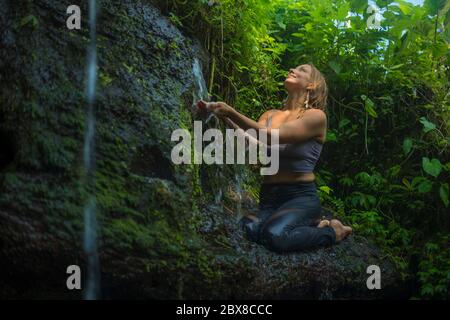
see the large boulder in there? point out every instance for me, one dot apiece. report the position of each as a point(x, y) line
point(160, 233)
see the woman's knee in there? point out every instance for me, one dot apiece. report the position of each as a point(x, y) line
point(283, 240)
point(274, 239)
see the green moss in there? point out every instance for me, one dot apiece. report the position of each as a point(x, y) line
point(105, 79)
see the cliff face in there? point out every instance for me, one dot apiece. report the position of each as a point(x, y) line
point(160, 234)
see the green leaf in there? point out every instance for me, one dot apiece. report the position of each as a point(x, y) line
point(364, 177)
point(397, 186)
point(427, 125)
point(279, 20)
point(281, 25)
point(343, 123)
point(417, 180)
point(405, 7)
point(425, 186)
point(406, 183)
point(331, 136)
point(326, 189)
point(432, 167)
point(298, 35)
point(346, 181)
point(433, 6)
point(443, 193)
point(407, 145)
point(309, 27)
point(369, 106)
point(342, 11)
point(427, 290)
point(335, 66)
point(397, 66)
point(393, 171)
point(358, 6)
point(447, 166)
point(31, 20)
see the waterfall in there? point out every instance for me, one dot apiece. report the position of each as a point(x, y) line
point(92, 286)
point(201, 93)
point(238, 189)
point(219, 194)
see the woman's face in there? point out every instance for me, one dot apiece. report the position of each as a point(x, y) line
point(298, 78)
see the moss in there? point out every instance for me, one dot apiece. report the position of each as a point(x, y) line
point(105, 79)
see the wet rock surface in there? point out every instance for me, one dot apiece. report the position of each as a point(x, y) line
point(161, 236)
point(337, 272)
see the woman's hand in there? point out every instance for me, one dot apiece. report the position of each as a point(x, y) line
point(220, 109)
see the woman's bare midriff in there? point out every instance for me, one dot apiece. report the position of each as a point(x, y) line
point(290, 177)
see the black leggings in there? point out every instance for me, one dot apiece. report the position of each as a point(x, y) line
point(288, 218)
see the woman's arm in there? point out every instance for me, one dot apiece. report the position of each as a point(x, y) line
point(310, 125)
point(222, 110)
point(252, 140)
point(244, 122)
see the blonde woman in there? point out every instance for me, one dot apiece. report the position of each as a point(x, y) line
point(289, 209)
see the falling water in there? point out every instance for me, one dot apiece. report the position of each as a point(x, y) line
point(238, 187)
point(212, 116)
point(92, 286)
point(201, 93)
point(219, 194)
point(218, 197)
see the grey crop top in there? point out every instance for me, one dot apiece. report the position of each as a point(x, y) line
point(297, 157)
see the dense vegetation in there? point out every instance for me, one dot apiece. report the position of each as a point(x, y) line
point(385, 167)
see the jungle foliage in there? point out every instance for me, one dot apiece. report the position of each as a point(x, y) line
point(385, 169)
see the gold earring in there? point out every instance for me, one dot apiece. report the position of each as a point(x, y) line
point(307, 100)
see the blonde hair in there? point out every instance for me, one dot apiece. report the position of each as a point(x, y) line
point(318, 96)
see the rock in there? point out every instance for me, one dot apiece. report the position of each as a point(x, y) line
point(337, 272)
point(160, 234)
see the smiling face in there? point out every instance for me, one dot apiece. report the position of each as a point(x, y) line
point(298, 78)
point(308, 77)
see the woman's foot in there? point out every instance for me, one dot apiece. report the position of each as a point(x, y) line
point(324, 223)
point(341, 231)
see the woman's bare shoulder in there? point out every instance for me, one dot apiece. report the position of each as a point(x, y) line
point(316, 113)
point(266, 115)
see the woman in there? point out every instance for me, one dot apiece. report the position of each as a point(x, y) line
point(289, 215)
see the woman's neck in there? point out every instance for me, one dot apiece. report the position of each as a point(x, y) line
point(295, 101)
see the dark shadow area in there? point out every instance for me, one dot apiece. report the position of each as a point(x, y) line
point(8, 148)
point(149, 161)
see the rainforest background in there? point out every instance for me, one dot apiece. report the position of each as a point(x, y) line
point(384, 169)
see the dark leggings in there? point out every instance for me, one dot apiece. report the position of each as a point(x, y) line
point(288, 217)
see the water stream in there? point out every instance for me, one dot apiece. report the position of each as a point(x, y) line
point(90, 245)
point(201, 93)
